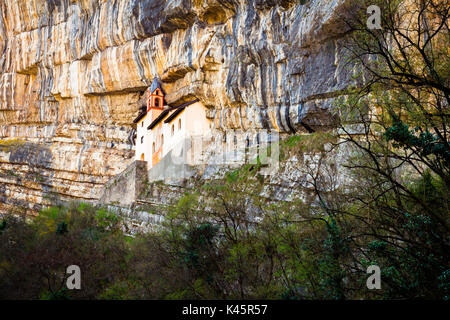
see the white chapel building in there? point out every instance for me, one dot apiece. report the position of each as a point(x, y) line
point(161, 128)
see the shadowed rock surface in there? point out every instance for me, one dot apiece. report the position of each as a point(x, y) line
point(73, 74)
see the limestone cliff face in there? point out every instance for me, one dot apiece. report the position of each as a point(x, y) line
point(73, 73)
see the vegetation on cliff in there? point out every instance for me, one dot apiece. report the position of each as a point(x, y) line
point(226, 241)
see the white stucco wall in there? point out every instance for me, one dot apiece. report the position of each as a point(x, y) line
point(145, 147)
point(193, 123)
point(179, 134)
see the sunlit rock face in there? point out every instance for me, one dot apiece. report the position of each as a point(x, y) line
point(73, 73)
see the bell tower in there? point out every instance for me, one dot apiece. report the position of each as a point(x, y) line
point(155, 98)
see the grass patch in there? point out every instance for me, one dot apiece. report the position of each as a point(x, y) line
point(306, 143)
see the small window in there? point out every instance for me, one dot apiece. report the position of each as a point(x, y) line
point(179, 124)
point(142, 124)
point(154, 148)
point(173, 129)
point(157, 103)
point(142, 139)
point(162, 140)
point(142, 157)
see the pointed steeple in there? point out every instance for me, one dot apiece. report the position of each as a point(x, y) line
point(155, 98)
point(155, 85)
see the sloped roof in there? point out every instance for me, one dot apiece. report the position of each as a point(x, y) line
point(140, 116)
point(158, 119)
point(178, 110)
point(155, 85)
point(142, 113)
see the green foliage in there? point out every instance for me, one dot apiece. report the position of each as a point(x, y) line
point(229, 238)
point(425, 143)
point(331, 273)
point(210, 247)
point(2, 226)
point(34, 254)
point(62, 294)
point(117, 291)
point(444, 283)
point(106, 219)
point(62, 228)
point(199, 239)
point(314, 142)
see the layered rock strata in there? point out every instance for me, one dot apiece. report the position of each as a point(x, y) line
point(73, 73)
